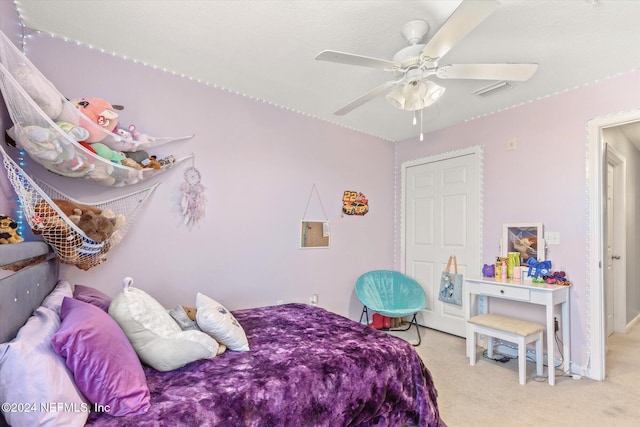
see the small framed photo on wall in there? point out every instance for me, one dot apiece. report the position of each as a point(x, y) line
point(526, 238)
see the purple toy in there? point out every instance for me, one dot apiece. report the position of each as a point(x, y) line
point(488, 270)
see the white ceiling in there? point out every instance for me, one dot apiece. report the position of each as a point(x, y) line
point(266, 49)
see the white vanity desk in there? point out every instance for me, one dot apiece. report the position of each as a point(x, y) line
point(525, 291)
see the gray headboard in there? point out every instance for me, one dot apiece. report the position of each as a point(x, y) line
point(22, 291)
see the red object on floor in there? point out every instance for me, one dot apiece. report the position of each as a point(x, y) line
point(380, 322)
point(377, 322)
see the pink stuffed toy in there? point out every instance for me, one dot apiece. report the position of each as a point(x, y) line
point(99, 112)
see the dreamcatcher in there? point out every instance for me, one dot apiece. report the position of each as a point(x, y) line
point(193, 199)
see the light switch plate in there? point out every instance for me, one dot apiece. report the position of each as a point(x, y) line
point(552, 237)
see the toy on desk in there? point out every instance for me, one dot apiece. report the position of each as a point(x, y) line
point(557, 278)
point(538, 269)
point(488, 270)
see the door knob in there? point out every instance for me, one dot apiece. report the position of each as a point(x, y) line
point(615, 256)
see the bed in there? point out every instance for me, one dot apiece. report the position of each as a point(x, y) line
point(306, 367)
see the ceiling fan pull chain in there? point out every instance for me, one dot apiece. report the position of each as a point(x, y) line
point(421, 117)
point(414, 117)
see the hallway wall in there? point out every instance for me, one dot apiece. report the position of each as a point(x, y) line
point(615, 137)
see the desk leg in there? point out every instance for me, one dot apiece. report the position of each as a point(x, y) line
point(467, 314)
point(551, 345)
point(566, 336)
point(470, 310)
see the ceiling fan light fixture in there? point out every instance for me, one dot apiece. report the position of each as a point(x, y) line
point(396, 97)
point(434, 92)
point(415, 95)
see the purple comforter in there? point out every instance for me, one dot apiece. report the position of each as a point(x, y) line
point(306, 367)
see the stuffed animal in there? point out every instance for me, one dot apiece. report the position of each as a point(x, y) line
point(70, 208)
point(107, 153)
point(131, 134)
point(137, 156)
point(136, 159)
point(101, 114)
point(9, 230)
point(41, 143)
point(42, 209)
point(97, 227)
point(77, 133)
point(102, 176)
point(538, 269)
point(49, 225)
point(40, 90)
point(130, 163)
point(69, 245)
point(51, 147)
point(118, 220)
point(96, 223)
point(154, 163)
point(167, 161)
point(191, 312)
point(102, 230)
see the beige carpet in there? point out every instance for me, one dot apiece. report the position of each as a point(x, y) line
point(488, 394)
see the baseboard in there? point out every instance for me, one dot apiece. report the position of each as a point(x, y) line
point(631, 324)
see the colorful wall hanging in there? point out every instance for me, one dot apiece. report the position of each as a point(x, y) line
point(354, 203)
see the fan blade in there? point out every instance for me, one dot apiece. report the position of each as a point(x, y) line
point(353, 59)
point(463, 20)
point(378, 90)
point(513, 72)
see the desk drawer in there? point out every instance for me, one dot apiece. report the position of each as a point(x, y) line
point(510, 292)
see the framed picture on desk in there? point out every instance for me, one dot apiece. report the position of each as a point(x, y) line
point(525, 238)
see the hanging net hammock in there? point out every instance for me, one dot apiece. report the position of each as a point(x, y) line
point(79, 239)
point(50, 128)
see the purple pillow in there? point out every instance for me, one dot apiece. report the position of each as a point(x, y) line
point(92, 296)
point(105, 367)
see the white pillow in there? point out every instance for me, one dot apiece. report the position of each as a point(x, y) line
point(32, 374)
point(154, 335)
point(53, 301)
point(214, 319)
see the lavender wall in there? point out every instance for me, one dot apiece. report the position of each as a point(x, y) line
point(258, 164)
point(544, 179)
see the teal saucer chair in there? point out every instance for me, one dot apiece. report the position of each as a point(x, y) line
point(393, 294)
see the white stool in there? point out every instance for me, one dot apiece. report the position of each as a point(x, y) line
point(509, 329)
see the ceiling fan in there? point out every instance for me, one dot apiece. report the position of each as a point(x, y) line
point(413, 65)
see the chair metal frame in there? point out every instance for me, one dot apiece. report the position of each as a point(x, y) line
point(392, 278)
point(413, 321)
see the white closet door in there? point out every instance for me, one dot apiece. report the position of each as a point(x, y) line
point(442, 218)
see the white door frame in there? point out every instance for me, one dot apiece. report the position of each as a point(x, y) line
point(596, 332)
